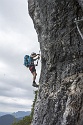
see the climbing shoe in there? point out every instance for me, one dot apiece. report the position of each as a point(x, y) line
point(35, 85)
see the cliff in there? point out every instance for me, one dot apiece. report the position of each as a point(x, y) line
point(60, 94)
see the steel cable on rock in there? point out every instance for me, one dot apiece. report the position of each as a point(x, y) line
point(76, 21)
point(68, 32)
point(61, 38)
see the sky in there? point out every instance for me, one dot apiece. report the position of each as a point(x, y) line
point(17, 38)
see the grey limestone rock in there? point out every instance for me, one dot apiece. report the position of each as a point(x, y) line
point(60, 94)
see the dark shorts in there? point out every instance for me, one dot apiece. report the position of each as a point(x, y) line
point(32, 69)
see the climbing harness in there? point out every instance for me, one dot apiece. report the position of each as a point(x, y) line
point(77, 21)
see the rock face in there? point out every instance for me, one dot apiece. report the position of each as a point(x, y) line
point(60, 97)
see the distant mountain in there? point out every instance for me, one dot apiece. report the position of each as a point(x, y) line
point(16, 114)
point(7, 119)
point(21, 114)
point(4, 113)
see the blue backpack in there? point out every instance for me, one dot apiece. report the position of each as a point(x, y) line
point(27, 60)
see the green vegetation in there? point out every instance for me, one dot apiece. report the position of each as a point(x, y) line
point(27, 119)
point(32, 110)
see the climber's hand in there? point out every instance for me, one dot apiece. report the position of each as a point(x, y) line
point(38, 56)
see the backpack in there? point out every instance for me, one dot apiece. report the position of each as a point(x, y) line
point(27, 60)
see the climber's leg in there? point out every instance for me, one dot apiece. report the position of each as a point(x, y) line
point(33, 71)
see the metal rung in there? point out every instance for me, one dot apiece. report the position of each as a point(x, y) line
point(78, 20)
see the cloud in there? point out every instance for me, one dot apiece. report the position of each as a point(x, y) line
point(17, 38)
point(14, 103)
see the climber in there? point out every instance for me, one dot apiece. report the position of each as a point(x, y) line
point(30, 64)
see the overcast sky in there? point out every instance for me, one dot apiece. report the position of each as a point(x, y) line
point(17, 38)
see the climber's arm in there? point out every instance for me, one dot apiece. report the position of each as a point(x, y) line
point(37, 56)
